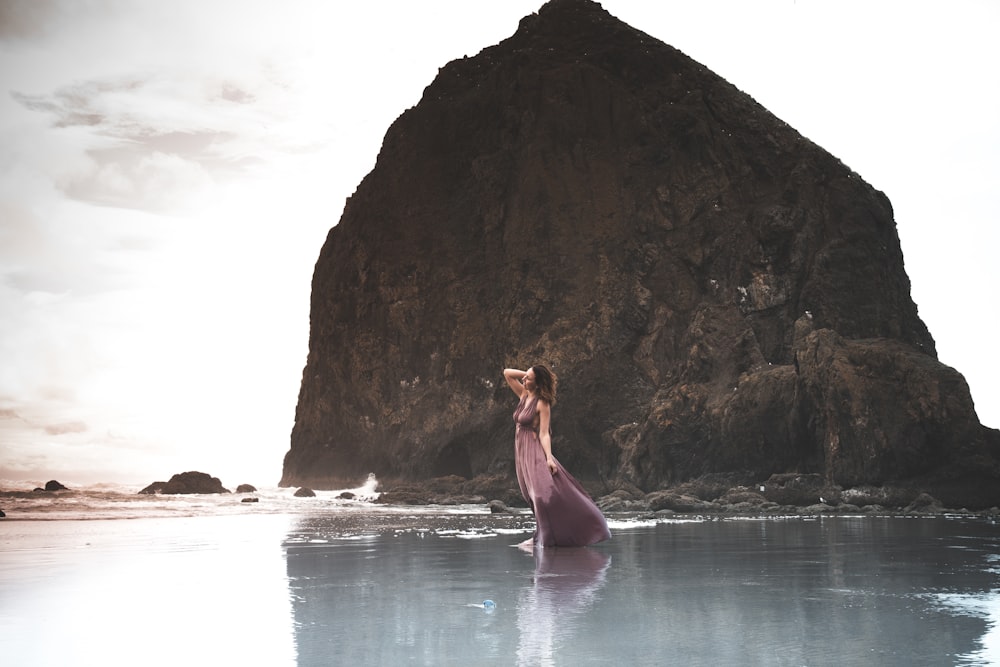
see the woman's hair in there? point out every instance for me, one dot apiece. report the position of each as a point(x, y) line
point(546, 382)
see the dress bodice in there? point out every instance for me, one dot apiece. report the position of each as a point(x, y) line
point(526, 414)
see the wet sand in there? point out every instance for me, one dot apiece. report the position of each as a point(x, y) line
point(407, 587)
point(204, 590)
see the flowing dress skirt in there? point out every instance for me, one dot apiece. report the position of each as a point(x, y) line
point(565, 515)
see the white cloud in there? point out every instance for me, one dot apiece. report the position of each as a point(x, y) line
point(153, 181)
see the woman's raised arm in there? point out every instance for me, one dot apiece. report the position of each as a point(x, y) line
point(514, 377)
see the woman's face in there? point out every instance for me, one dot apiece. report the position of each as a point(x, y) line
point(529, 380)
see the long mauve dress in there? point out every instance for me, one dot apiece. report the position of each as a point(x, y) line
point(565, 515)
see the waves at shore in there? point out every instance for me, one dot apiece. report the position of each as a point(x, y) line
point(20, 501)
point(326, 516)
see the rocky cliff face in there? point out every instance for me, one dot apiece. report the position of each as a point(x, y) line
point(716, 292)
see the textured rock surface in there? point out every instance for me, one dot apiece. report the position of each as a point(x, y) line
point(717, 293)
point(187, 482)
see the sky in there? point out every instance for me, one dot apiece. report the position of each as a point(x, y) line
point(169, 172)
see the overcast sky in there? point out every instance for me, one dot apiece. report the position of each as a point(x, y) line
point(169, 171)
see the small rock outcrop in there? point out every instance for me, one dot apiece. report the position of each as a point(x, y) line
point(305, 492)
point(499, 507)
point(799, 489)
point(718, 294)
point(50, 486)
point(187, 482)
point(246, 488)
point(925, 504)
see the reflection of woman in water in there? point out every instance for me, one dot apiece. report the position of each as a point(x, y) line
point(565, 515)
point(566, 583)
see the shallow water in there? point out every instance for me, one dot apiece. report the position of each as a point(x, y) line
point(404, 586)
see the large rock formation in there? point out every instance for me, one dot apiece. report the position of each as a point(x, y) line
point(716, 292)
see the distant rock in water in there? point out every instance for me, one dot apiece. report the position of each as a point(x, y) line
point(187, 482)
point(498, 507)
point(717, 293)
point(305, 492)
point(51, 485)
point(250, 500)
point(246, 488)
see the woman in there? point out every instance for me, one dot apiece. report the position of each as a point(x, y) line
point(565, 515)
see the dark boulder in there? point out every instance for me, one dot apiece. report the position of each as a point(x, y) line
point(187, 482)
point(714, 485)
point(799, 489)
point(622, 500)
point(53, 485)
point(678, 502)
point(246, 488)
point(585, 196)
point(305, 492)
point(499, 507)
point(925, 504)
point(404, 497)
point(250, 500)
point(743, 496)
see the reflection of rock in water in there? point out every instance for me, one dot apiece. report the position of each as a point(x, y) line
point(566, 584)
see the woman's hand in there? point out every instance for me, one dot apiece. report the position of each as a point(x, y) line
point(553, 467)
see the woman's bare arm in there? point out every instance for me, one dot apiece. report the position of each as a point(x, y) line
point(544, 436)
point(514, 377)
